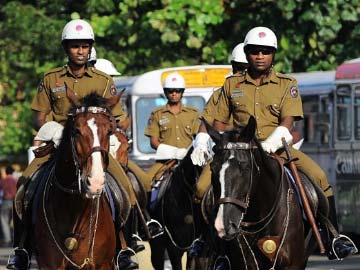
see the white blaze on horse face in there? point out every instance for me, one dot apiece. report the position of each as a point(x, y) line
point(219, 221)
point(96, 177)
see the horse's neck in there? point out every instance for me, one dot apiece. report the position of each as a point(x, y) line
point(65, 167)
point(266, 184)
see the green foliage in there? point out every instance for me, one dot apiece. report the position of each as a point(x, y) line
point(141, 35)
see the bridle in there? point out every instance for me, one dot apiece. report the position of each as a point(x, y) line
point(244, 204)
point(80, 162)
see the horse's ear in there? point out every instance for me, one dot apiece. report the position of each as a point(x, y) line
point(213, 133)
point(248, 133)
point(71, 95)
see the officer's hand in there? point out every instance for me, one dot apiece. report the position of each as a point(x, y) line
point(200, 155)
point(202, 152)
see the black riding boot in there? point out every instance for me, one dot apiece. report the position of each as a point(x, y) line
point(337, 249)
point(123, 258)
point(132, 234)
point(19, 259)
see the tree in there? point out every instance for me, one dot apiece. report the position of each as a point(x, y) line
point(141, 35)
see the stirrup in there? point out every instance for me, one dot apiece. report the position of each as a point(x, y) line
point(157, 223)
point(342, 236)
point(137, 237)
point(222, 257)
point(128, 251)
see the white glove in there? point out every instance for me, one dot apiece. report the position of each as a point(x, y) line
point(31, 154)
point(50, 131)
point(298, 144)
point(165, 151)
point(202, 152)
point(274, 142)
point(114, 145)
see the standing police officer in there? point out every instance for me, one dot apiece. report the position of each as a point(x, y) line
point(51, 103)
point(274, 100)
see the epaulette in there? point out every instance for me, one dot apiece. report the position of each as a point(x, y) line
point(158, 109)
point(285, 76)
point(99, 72)
point(190, 108)
point(55, 70)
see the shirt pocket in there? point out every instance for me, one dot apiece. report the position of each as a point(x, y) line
point(272, 107)
point(240, 109)
point(165, 131)
point(60, 102)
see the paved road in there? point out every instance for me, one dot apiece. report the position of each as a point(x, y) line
point(315, 262)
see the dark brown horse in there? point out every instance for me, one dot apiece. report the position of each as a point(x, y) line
point(74, 228)
point(256, 208)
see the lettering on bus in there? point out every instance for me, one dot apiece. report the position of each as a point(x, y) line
point(348, 164)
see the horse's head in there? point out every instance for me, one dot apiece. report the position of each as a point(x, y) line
point(232, 168)
point(88, 129)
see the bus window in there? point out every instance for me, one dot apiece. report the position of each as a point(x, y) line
point(144, 107)
point(343, 113)
point(357, 113)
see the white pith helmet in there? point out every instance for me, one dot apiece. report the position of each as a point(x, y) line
point(261, 36)
point(92, 57)
point(238, 54)
point(175, 81)
point(107, 67)
point(77, 29)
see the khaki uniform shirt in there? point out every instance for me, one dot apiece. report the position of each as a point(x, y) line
point(277, 97)
point(51, 95)
point(173, 129)
point(210, 107)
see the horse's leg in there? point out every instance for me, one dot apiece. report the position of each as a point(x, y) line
point(175, 256)
point(157, 246)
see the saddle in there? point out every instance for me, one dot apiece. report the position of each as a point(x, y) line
point(160, 183)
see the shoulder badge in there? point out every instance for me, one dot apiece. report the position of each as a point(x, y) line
point(294, 92)
point(41, 86)
point(150, 120)
point(113, 90)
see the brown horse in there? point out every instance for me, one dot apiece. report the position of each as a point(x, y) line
point(74, 227)
point(256, 211)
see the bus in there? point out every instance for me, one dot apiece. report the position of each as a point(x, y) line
point(331, 132)
point(331, 125)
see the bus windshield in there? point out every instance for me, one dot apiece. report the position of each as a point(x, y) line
point(145, 105)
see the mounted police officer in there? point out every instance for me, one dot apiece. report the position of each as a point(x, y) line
point(274, 100)
point(171, 128)
point(51, 106)
point(239, 65)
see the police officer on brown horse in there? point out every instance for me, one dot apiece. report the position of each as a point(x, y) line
point(51, 106)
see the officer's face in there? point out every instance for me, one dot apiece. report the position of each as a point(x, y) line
point(78, 51)
point(260, 58)
point(174, 95)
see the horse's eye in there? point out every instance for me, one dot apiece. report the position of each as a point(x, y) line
point(110, 132)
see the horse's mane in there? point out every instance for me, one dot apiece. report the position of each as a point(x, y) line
point(91, 100)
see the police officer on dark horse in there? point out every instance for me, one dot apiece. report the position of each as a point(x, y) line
point(274, 100)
